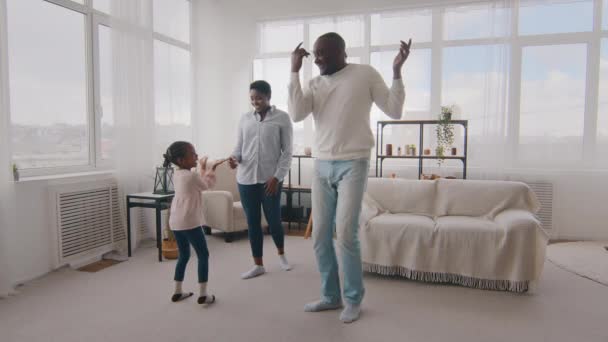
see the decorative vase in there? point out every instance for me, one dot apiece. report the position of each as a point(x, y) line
point(16, 175)
point(399, 150)
point(389, 149)
point(307, 151)
point(427, 151)
point(454, 151)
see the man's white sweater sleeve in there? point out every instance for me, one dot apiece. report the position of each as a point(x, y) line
point(300, 101)
point(390, 101)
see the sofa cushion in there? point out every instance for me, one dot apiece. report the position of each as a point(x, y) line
point(483, 198)
point(369, 209)
point(395, 237)
point(403, 195)
point(464, 226)
point(391, 228)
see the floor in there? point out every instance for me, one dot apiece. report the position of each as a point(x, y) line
point(129, 301)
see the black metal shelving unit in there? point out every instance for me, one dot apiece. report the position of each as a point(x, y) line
point(290, 191)
point(420, 157)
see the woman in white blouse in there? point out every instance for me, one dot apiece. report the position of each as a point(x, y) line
point(263, 157)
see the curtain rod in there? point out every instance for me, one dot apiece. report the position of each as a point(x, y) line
point(407, 5)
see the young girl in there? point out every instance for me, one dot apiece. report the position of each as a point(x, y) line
point(187, 215)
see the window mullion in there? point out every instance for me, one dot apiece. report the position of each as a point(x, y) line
point(97, 109)
point(514, 88)
point(91, 89)
point(436, 60)
point(592, 89)
point(171, 41)
point(367, 40)
point(70, 5)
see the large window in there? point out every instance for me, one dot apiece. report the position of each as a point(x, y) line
point(552, 110)
point(48, 85)
point(60, 60)
point(171, 94)
point(280, 36)
point(473, 77)
point(172, 72)
point(350, 28)
point(273, 70)
point(476, 21)
point(172, 19)
point(555, 16)
point(387, 28)
point(519, 72)
point(416, 76)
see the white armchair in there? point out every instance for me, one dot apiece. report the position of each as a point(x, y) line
point(222, 206)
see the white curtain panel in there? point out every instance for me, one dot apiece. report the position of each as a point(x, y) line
point(133, 94)
point(7, 193)
point(481, 96)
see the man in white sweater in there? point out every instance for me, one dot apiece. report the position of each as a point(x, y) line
point(340, 100)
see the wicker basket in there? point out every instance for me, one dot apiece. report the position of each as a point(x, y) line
point(169, 249)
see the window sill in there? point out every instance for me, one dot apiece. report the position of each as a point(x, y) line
point(64, 176)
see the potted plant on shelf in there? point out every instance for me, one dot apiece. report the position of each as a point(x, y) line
point(15, 172)
point(444, 132)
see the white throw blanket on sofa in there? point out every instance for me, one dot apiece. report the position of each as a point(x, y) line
point(480, 234)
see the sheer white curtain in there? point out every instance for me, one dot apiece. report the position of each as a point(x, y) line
point(7, 193)
point(475, 78)
point(133, 93)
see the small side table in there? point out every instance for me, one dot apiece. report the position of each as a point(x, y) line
point(148, 200)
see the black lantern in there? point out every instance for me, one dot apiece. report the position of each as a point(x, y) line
point(163, 182)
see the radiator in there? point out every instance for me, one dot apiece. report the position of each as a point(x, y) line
point(87, 220)
point(544, 193)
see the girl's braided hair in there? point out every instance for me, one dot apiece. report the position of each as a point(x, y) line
point(175, 151)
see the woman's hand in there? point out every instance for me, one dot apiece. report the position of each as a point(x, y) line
point(272, 186)
point(233, 162)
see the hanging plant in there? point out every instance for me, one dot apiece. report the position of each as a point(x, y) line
point(444, 132)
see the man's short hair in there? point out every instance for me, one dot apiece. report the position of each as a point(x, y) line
point(261, 86)
point(336, 38)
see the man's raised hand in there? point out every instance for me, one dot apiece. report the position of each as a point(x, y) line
point(296, 58)
point(404, 52)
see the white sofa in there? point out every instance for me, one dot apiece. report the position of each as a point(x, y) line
point(480, 234)
point(222, 205)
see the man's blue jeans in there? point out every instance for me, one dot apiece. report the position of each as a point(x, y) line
point(337, 192)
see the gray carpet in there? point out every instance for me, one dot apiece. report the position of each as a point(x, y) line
point(130, 302)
